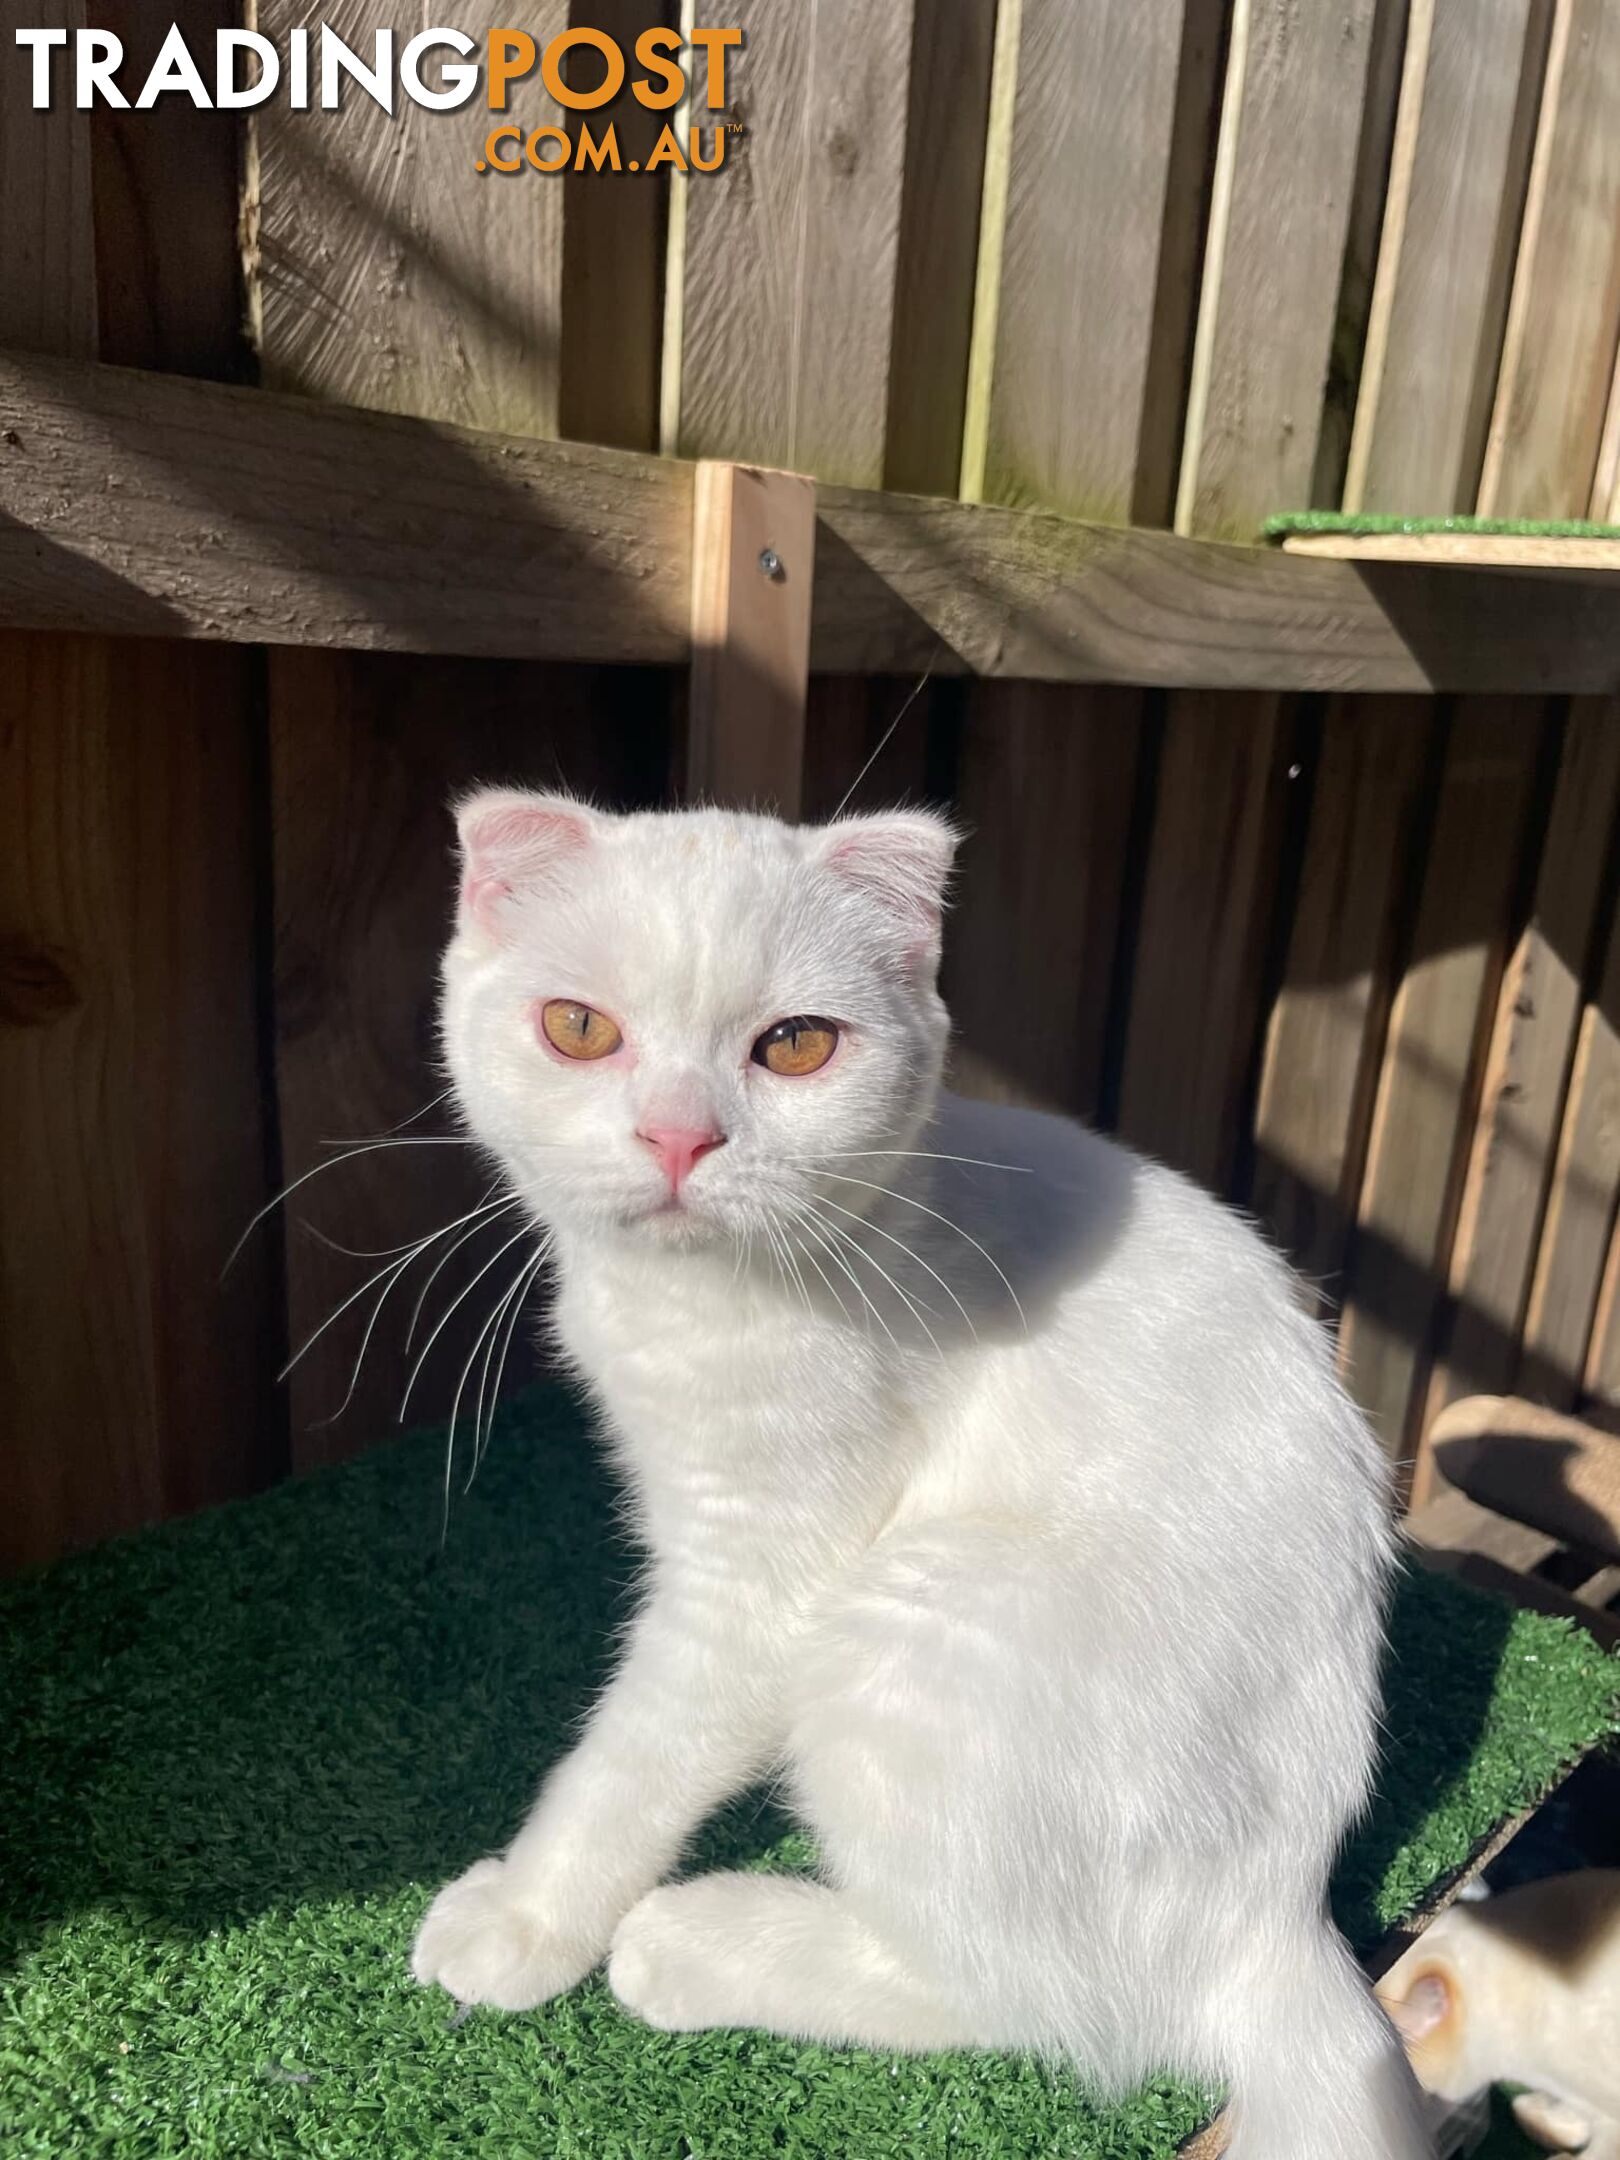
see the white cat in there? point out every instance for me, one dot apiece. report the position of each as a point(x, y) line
point(1523, 1989)
point(998, 1495)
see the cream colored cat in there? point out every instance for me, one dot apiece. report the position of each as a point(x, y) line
point(1523, 1989)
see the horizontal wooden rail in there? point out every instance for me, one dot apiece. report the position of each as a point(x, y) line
point(154, 505)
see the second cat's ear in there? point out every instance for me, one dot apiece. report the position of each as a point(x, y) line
point(1423, 2009)
point(512, 844)
point(901, 861)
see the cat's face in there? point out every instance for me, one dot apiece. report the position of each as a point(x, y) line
point(660, 1022)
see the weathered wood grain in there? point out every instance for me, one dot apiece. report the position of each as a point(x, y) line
point(614, 253)
point(1564, 316)
point(789, 253)
point(1429, 1080)
point(131, 1153)
point(1456, 191)
point(1386, 54)
point(1045, 789)
point(1527, 1069)
point(901, 581)
point(1278, 217)
point(1326, 1023)
point(937, 248)
point(1087, 198)
point(1211, 873)
point(1606, 480)
point(1602, 1376)
point(47, 242)
point(168, 271)
point(1580, 1206)
point(146, 504)
point(383, 270)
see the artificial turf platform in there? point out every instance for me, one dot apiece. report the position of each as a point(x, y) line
point(1459, 525)
point(241, 1752)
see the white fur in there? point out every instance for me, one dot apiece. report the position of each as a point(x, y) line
point(1055, 1600)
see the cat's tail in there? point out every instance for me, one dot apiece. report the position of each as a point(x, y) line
point(1317, 2070)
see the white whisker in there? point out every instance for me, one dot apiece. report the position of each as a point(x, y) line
point(542, 1254)
point(873, 1261)
point(383, 1140)
point(492, 1327)
point(773, 1247)
point(882, 743)
point(443, 1095)
point(975, 1162)
point(395, 1274)
point(843, 1178)
point(368, 1147)
point(488, 1211)
point(394, 1269)
point(779, 1239)
point(818, 1231)
point(485, 1328)
point(444, 1318)
point(832, 1291)
point(352, 1252)
point(911, 1254)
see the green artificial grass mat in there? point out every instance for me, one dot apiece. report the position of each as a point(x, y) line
point(1347, 521)
point(241, 1752)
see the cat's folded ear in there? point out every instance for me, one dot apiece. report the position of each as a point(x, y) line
point(514, 844)
point(901, 861)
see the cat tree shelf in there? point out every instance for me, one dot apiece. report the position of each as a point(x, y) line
point(152, 505)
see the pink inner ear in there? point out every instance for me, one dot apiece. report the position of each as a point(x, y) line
point(510, 846)
point(901, 863)
point(1426, 2007)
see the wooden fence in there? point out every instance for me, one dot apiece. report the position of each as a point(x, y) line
point(1350, 958)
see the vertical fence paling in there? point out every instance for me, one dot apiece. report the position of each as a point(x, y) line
point(1429, 1079)
point(1581, 1201)
point(1289, 133)
point(947, 119)
point(789, 252)
point(1210, 875)
point(1564, 316)
point(1527, 1069)
point(1451, 223)
point(1047, 777)
point(1324, 1032)
point(389, 275)
point(1072, 285)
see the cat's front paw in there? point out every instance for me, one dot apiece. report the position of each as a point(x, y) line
point(656, 1966)
point(486, 1941)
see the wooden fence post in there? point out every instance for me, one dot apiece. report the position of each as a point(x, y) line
point(753, 562)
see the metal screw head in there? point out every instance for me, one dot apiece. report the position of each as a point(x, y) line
point(770, 563)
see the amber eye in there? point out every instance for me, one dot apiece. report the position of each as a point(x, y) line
point(796, 1047)
point(578, 1031)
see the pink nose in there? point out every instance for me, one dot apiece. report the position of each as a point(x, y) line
point(678, 1147)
